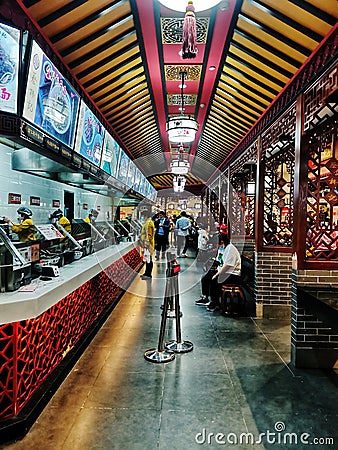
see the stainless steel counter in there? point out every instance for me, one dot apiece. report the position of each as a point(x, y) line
point(17, 306)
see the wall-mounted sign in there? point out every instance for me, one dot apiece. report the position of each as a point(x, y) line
point(77, 160)
point(14, 199)
point(51, 103)
point(52, 145)
point(89, 135)
point(66, 153)
point(33, 133)
point(86, 165)
point(34, 201)
point(94, 170)
point(56, 203)
point(9, 68)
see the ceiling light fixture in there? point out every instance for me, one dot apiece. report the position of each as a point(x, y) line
point(178, 184)
point(180, 167)
point(180, 164)
point(181, 129)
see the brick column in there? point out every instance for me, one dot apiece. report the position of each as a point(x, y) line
point(273, 284)
point(314, 336)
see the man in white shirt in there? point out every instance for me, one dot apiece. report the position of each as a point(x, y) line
point(225, 270)
point(182, 229)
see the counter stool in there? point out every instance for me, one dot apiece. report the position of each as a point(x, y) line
point(232, 299)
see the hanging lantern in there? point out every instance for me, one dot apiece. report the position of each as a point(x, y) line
point(189, 47)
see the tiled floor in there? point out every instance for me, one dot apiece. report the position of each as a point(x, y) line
point(234, 385)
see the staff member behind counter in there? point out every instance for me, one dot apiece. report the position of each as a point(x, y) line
point(26, 229)
point(62, 220)
point(92, 216)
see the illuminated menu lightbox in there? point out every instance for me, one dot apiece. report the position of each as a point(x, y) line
point(137, 179)
point(51, 103)
point(9, 68)
point(131, 174)
point(123, 167)
point(89, 135)
point(110, 155)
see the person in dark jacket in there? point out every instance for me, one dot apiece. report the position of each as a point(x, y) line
point(162, 228)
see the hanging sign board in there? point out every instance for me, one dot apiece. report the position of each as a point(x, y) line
point(51, 103)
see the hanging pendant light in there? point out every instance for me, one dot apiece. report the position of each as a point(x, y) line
point(178, 184)
point(181, 129)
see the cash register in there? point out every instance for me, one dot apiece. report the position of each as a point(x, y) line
point(16, 260)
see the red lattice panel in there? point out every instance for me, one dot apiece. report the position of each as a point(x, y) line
point(31, 349)
point(322, 193)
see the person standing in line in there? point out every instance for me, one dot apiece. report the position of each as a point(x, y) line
point(147, 243)
point(26, 229)
point(162, 228)
point(182, 229)
point(202, 242)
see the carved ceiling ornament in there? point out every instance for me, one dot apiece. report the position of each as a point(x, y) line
point(176, 99)
point(173, 72)
point(172, 30)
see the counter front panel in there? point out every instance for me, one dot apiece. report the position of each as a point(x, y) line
point(30, 349)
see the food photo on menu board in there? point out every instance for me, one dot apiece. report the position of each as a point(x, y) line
point(9, 64)
point(51, 103)
point(89, 135)
point(122, 173)
point(110, 154)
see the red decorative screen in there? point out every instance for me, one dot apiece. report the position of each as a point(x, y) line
point(31, 349)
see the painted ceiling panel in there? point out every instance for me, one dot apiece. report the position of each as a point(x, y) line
point(40, 10)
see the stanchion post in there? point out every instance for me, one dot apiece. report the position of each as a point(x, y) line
point(178, 346)
point(161, 354)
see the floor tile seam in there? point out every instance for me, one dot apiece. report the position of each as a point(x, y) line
point(119, 408)
point(64, 435)
point(237, 397)
point(280, 357)
point(222, 355)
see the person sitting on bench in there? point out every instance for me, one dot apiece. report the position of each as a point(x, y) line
point(228, 271)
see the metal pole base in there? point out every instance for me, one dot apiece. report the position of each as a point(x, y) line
point(153, 355)
point(179, 347)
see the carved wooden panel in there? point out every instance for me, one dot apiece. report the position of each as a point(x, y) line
point(322, 193)
point(279, 161)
